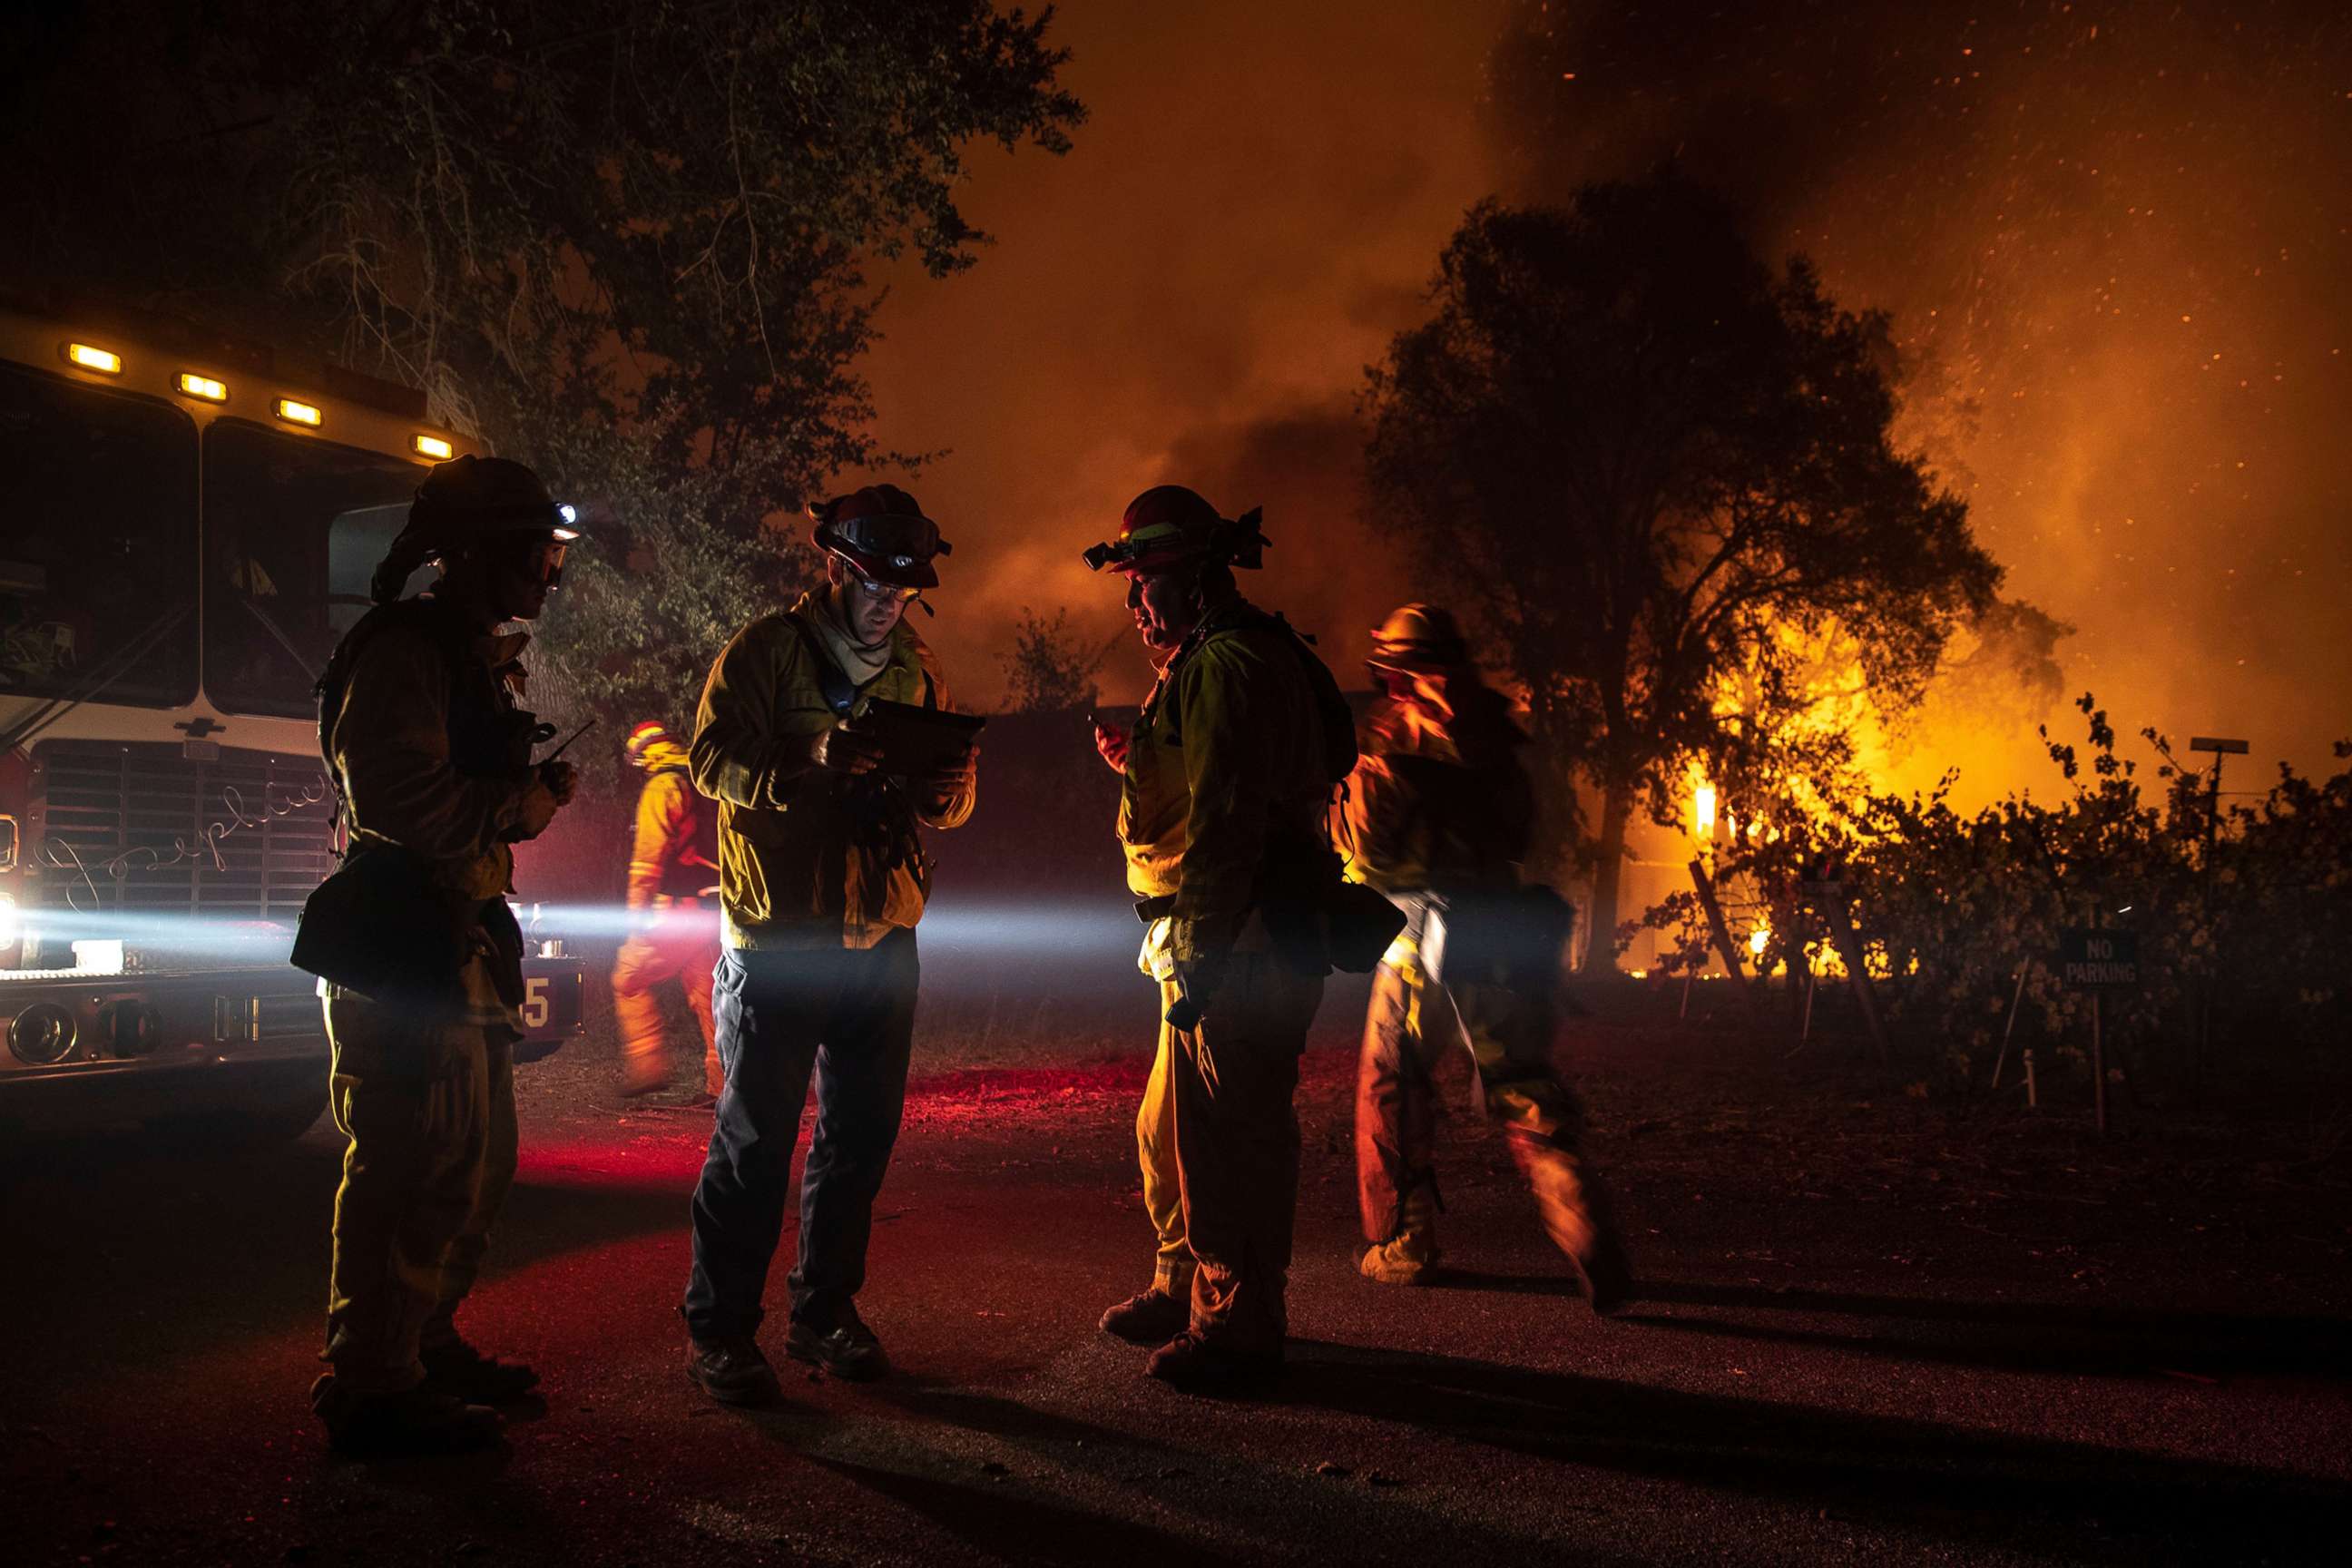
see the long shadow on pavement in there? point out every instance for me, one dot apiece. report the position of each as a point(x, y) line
point(2027, 1336)
point(1018, 1527)
point(1283, 1512)
point(196, 1250)
point(2088, 1502)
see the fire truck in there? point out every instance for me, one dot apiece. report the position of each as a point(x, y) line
point(187, 524)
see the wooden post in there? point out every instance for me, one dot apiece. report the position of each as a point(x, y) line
point(1722, 932)
point(1788, 926)
point(2033, 1091)
point(1849, 945)
point(2010, 1027)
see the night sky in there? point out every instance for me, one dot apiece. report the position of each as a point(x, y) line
point(2112, 238)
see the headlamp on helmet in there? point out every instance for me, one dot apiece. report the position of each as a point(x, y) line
point(1169, 526)
point(473, 505)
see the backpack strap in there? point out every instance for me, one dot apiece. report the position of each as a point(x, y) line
point(833, 683)
point(1339, 720)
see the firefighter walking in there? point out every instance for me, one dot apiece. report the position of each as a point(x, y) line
point(822, 877)
point(421, 955)
point(1438, 817)
point(673, 901)
point(1225, 780)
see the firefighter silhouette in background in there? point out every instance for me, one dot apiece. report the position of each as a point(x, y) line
point(673, 914)
point(1439, 812)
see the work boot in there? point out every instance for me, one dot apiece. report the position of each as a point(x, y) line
point(849, 1350)
point(1148, 1318)
point(414, 1421)
point(465, 1374)
point(1409, 1259)
point(1605, 1273)
point(733, 1370)
point(1575, 1218)
point(1196, 1365)
point(644, 1073)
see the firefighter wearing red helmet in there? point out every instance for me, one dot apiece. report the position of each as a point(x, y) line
point(1225, 783)
point(1438, 815)
point(821, 876)
point(422, 959)
point(673, 900)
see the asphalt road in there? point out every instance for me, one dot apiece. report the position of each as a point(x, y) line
point(1872, 1329)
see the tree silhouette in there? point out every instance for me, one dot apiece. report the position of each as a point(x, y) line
point(1049, 670)
point(625, 240)
point(1656, 475)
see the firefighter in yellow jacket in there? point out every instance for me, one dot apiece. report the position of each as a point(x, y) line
point(823, 876)
point(1225, 776)
point(1438, 814)
point(673, 914)
point(431, 758)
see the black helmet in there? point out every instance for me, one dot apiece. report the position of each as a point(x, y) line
point(479, 495)
point(468, 501)
point(880, 533)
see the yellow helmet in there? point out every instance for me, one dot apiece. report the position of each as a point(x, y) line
point(1418, 638)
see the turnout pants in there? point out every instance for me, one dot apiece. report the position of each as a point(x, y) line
point(1218, 1141)
point(685, 946)
point(429, 1111)
point(845, 1017)
point(1508, 1032)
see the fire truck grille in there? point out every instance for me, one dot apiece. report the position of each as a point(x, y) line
point(143, 829)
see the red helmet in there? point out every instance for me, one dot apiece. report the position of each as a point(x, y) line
point(1169, 525)
point(880, 534)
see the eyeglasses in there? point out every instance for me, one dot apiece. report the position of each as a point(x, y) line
point(885, 593)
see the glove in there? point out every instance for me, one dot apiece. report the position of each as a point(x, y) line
point(843, 750)
point(1197, 982)
point(537, 808)
point(942, 784)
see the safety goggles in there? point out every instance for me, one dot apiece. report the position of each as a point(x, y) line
point(884, 593)
point(540, 560)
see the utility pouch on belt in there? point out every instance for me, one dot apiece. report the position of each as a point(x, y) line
point(1320, 920)
point(1359, 925)
point(378, 928)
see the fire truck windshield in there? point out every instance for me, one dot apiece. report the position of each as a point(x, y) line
point(293, 527)
point(97, 546)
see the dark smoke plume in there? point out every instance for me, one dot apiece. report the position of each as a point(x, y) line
point(2112, 238)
